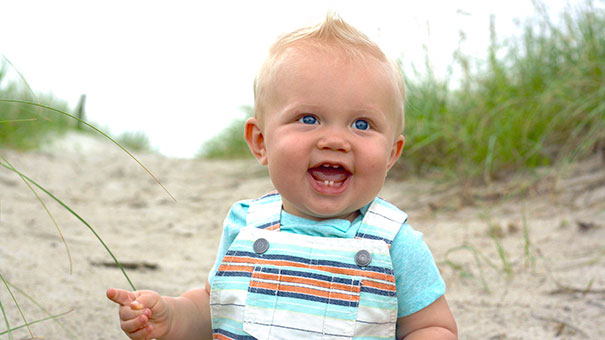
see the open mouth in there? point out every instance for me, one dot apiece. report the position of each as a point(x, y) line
point(329, 175)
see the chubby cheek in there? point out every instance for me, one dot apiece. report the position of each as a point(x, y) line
point(286, 160)
point(374, 161)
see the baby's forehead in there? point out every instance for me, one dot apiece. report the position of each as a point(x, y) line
point(297, 56)
point(300, 53)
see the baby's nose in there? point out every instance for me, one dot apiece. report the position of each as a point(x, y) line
point(334, 141)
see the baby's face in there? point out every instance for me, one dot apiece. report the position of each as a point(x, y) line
point(329, 134)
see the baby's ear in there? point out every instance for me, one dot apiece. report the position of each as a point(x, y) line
point(396, 151)
point(255, 139)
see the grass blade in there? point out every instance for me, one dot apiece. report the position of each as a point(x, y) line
point(76, 215)
point(54, 317)
point(36, 321)
point(18, 306)
point(49, 215)
point(17, 120)
point(477, 257)
point(8, 326)
point(29, 88)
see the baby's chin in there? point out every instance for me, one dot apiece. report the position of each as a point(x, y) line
point(320, 216)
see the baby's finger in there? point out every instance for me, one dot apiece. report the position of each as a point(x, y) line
point(136, 328)
point(120, 296)
point(127, 313)
point(145, 300)
point(142, 334)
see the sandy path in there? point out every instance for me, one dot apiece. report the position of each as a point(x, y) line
point(554, 289)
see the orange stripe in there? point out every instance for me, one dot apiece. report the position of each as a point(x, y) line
point(220, 337)
point(304, 290)
point(273, 227)
point(384, 286)
point(234, 268)
point(266, 285)
point(329, 269)
point(379, 285)
point(307, 281)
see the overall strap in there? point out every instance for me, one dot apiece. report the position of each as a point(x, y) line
point(265, 212)
point(381, 221)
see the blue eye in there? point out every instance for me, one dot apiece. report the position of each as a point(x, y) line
point(361, 124)
point(308, 120)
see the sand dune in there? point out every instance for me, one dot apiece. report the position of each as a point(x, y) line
point(546, 281)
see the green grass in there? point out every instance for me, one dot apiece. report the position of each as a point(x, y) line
point(27, 127)
point(541, 103)
point(135, 141)
point(538, 99)
point(229, 143)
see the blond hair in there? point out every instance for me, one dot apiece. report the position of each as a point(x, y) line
point(334, 34)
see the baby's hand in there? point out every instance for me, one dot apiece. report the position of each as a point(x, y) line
point(143, 314)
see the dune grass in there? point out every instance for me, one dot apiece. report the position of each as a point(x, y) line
point(27, 127)
point(135, 141)
point(534, 100)
point(541, 103)
point(229, 143)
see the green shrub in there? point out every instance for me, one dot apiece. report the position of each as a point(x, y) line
point(229, 143)
point(134, 141)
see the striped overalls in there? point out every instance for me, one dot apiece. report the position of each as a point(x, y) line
point(274, 285)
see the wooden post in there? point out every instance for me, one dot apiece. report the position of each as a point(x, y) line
point(80, 112)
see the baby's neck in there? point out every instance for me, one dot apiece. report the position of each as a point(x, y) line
point(350, 217)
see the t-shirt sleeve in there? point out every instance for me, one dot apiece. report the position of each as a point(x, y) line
point(417, 277)
point(233, 223)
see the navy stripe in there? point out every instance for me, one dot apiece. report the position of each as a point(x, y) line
point(233, 335)
point(387, 217)
point(309, 262)
point(375, 323)
point(267, 225)
point(378, 291)
point(274, 270)
point(314, 298)
point(234, 274)
point(227, 304)
point(373, 237)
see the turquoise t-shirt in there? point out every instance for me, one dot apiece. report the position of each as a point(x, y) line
point(416, 275)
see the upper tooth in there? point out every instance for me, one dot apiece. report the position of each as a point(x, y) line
point(326, 165)
point(336, 166)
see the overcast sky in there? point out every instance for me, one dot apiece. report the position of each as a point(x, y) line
point(181, 70)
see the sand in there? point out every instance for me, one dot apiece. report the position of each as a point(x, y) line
point(527, 267)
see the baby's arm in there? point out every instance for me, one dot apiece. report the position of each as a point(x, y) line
point(432, 322)
point(146, 315)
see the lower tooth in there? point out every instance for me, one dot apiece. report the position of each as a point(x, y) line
point(328, 183)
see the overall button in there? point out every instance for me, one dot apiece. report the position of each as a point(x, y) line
point(363, 258)
point(261, 246)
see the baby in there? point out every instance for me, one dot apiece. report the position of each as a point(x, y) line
point(322, 257)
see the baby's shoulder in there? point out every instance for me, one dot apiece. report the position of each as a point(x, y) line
point(238, 212)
